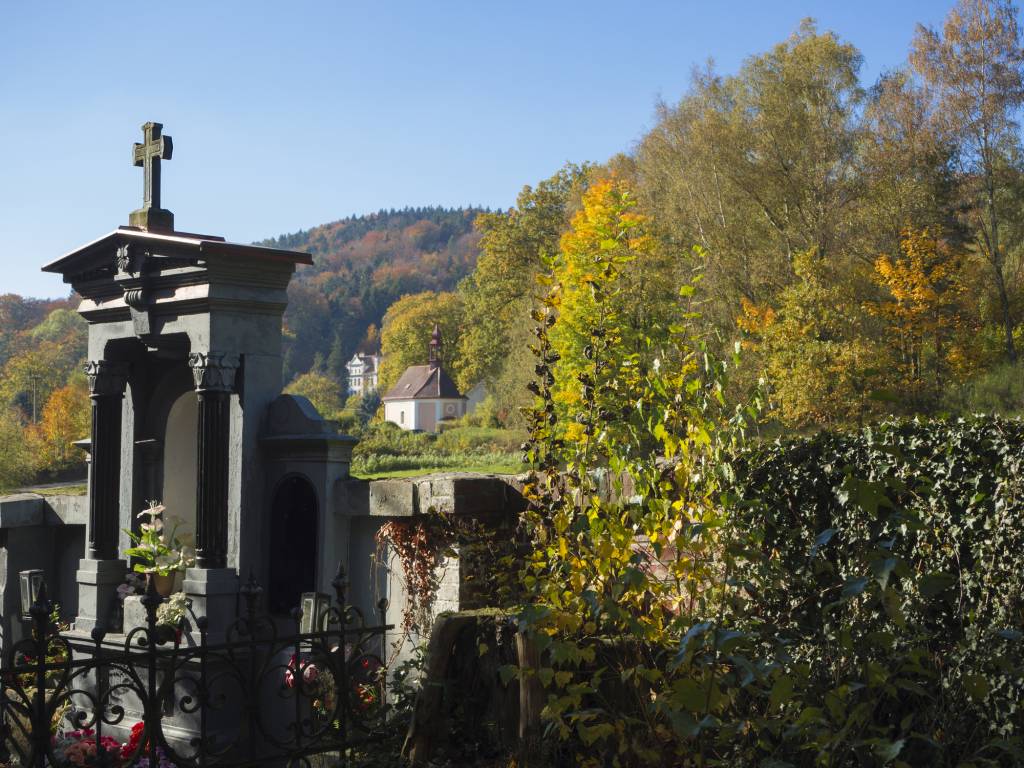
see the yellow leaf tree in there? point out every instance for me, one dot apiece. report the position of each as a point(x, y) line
point(611, 275)
point(925, 313)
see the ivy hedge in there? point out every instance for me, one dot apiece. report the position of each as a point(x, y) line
point(895, 579)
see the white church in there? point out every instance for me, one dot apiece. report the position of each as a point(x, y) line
point(425, 395)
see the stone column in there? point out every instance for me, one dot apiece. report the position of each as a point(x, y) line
point(211, 584)
point(101, 570)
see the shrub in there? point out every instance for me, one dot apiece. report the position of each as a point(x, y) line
point(844, 600)
point(375, 464)
point(480, 440)
point(999, 390)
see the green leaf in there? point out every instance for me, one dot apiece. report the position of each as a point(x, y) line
point(882, 568)
point(854, 587)
point(782, 692)
point(691, 641)
point(977, 686)
point(506, 672)
point(822, 539)
point(887, 751)
point(689, 695)
point(933, 584)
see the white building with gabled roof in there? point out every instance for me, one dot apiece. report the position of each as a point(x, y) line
point(425, 395)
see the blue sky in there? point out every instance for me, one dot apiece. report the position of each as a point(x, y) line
point(288, 115)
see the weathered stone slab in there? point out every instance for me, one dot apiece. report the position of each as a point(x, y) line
point(67, 510)
point(392, 498)
point(22, 509)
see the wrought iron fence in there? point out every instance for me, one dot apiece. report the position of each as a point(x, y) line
point(178, 697)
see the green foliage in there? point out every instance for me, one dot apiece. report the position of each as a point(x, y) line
point(16, 461)
point(368, 406)
point(362, 265)
point(322, 391)
point(385, 448)
point(513, 247)
point(376, 465)
point(843, 600)
point(480, 439)
point(999, 390)
point(408, 325)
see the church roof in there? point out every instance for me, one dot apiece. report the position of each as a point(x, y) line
point(424, 382)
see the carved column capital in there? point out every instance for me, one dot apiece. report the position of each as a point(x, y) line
point(213, 371)
point(106, 378)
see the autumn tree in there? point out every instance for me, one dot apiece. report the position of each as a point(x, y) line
point(823, 363)
point(925, 313)
point(405, 334)
point(610, 274)
point(907, 167)
point(65, 419)
point(500, 291)
point(16, 462)
point(760, 166)
point(322, 391)
point(974, 68)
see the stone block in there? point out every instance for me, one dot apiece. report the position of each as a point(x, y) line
point(134, 613)
point(98, 603)
point(214, 594)
point(22, 509)
point(392, 498)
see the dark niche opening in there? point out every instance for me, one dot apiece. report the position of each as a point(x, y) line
point(293, 535)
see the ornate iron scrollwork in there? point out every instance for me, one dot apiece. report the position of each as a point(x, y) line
point(258, 695)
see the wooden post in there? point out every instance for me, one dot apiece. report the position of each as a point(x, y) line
point(531, 698)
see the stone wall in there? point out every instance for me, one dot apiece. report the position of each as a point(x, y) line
point(492, 500)
point(46, 532)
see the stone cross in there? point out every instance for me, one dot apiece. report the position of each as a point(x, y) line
point(147, 156)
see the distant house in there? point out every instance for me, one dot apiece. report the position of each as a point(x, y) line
point(362, 373)
point(425, 395)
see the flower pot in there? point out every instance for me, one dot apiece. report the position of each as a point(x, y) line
point(164, 584)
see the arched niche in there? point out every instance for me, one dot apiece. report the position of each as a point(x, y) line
point(292, 555)
point(181, 460)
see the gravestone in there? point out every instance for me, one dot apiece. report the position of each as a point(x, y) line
point(184, 370)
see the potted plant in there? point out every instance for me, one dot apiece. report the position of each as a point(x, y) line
point(162, 553)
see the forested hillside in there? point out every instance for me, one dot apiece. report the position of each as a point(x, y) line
point(362, 265)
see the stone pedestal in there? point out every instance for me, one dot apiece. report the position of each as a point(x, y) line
point(98, 603)
point(214, 594)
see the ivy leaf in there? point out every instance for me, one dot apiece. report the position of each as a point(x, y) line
point(822, 539)
point(933, 584)
point(854, 587)
point(887, 751)
point(977, 686)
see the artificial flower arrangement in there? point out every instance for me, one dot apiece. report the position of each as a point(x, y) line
point(318, 685)
point(161, 550)
point(78, 748)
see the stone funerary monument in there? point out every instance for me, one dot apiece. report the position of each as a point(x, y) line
point(185, 375)
point(184, 370)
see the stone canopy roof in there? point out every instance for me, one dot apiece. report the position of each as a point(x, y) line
point(424, 382)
